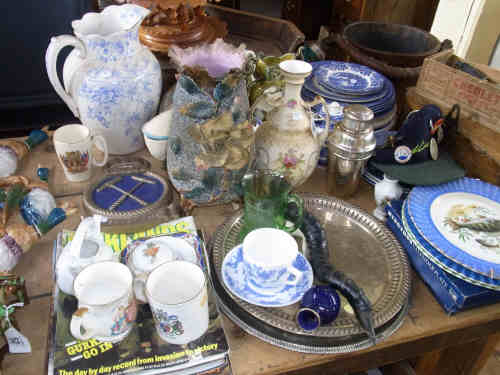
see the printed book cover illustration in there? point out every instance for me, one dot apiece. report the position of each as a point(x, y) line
point(142, 351)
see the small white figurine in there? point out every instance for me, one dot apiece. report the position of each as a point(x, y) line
point(385, 190)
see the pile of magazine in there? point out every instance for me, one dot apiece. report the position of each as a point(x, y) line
point(451, 234)
point(142, 351)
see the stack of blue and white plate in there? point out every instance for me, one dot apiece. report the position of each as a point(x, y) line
point(342, 84)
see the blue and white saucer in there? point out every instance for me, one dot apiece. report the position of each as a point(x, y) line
point(348, 78)
point(234, 277)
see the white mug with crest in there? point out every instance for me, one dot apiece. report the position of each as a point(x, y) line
point(177, 294)
point(74, 148)
point(106, 304)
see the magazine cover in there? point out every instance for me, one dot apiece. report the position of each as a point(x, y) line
point(142, 351)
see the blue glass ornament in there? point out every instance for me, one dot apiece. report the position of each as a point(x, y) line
point(35, 138)
point(43, 174)
point(320, 305)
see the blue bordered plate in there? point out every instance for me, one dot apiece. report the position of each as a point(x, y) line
point(348, 78)
point(439, 259)
point(312, 81)
point(460, 220)
point(309, 90)
point(233, 275)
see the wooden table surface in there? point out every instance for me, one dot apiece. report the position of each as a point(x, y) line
point(436, 343)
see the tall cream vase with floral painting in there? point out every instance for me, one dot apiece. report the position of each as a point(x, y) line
point(287, 141)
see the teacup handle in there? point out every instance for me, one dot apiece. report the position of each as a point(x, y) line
point(294, 198)
point(296, 273)
point(77, 323)
point(101, 143)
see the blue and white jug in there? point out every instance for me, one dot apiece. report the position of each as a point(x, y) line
point(112, 83)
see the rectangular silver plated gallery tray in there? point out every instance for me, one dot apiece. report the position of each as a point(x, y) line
point(361, 247)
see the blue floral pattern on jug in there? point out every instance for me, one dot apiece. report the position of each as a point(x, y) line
point(113, 82)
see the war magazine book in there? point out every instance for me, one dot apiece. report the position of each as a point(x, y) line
point(142, 351)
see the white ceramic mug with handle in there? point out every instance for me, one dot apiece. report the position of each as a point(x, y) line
point(74, 147)
point(177, 294)
point(106, 304)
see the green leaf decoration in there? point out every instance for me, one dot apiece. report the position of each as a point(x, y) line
point(195, 193)
point(209, 179)
point(223, 92)
point(199, 110)
point(15, 196)
point(189, 85)
point(175, 146)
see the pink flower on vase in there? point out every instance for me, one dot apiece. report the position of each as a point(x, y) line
point(291, 103)
point(289, 161)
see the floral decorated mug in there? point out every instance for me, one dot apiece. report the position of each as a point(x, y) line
point(106, 305)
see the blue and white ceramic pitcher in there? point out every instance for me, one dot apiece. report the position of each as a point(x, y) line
point(112, 83)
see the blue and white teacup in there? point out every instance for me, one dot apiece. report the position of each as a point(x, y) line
point(268, 256)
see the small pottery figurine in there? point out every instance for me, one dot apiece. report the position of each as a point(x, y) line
point(87, 247)
point(37, 208)
point(12, 151)
point(385, 191)
point(210, 142)
point(112, 83)
point(319, 306)
point(287, 141)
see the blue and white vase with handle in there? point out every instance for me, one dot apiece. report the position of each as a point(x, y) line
point(112, 83)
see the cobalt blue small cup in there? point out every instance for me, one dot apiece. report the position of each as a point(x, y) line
point(320, 305)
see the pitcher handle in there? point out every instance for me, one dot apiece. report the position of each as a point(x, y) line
point(100, 142)
point(318, 100)
point(55, 46)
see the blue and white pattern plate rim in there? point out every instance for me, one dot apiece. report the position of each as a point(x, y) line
point(348, 78)
point(440, 260)
point(233, 275)
point(313, 82)
point(461, 220)
point(309, 91)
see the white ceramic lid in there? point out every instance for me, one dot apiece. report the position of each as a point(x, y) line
point(151, 254)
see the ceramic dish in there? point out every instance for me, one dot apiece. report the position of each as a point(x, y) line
point(461, 220)
point(348, 77)
point(233, 275)
point(313, 82)
point(309, 91)
point(439, 259)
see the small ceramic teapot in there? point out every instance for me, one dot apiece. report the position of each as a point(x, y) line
point(87, 247)
point(287, 141)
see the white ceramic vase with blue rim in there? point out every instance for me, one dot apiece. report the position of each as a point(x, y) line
point(112, 83)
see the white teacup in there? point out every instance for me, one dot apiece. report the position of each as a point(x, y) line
point(73, 144)
point(177, 295)
point(156, 134)
point(106, 303)
point(268, 256)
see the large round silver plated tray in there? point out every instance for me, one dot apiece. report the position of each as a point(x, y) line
point(359, 245)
